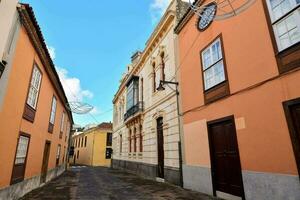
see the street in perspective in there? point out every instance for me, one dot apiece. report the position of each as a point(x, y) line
point(156, 99)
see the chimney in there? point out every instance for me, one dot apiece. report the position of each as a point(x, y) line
point(135, 57)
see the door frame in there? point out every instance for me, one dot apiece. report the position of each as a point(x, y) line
point(163, 151)
point(25, 163)
point(41, 179)
point(293, 134)
point(213, 168)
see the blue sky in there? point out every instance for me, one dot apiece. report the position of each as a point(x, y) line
point(91, 43)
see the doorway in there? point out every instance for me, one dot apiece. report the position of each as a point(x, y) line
point(292, 112)
point(225, 159)
point(160, 147)
point(45, 161)
point(20, 158)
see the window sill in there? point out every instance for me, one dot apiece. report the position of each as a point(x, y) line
point(289, 59)
point(29, 113)
point(50, 128)
point(217, 92)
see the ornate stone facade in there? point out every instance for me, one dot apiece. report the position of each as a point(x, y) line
point(138, 106)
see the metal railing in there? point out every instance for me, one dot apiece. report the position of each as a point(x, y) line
point(139, 107)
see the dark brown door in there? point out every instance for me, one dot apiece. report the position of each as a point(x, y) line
point(226, 167)
point(160, 147)
point(20, 159)
point(292, 111)
point(45, 161)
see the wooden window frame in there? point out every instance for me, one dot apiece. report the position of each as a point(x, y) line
point(50, 125)
point(58, 155)
point(222, 89)
point(289, 58)
point(62, 124)
point(292, 131)
point(108, 139)
point(141, 138)
point(29, 112)
point(25, 163)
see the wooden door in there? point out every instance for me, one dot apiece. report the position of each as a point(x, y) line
point(292, 111)
point(226, 167)
point(20, 158)
point(160, 147)
point(45, 161)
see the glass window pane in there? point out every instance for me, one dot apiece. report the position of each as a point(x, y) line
point(284, 41)
point(281, 28)
point(22, 150)
point(206, 59)
point(214, 75)
point(294, 35)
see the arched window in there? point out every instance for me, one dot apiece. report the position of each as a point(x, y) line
point(154, 77)
point(163, 76)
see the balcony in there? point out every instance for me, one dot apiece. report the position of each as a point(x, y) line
point(137, 108)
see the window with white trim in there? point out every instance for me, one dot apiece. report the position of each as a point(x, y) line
point(285, 18)
point(34, 87)
point(58, 151)
point(22, 150)
point(62, 122)
point(53, 110)
point(213, 65)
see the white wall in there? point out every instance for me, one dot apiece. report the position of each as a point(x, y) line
point(7, 15)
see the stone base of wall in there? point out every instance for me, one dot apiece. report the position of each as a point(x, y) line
point(257, 185)
point(20, 189)
point(172, 175)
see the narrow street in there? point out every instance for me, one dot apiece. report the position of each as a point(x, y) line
point(103, 183)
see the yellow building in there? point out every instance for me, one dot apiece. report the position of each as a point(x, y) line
point(93, 146)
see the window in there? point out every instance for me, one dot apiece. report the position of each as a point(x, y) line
point(35, 83)
point(109, 139)
point(82, 142)
point(22, 150)
point(18, 171)
point(2, 67)
point(85, 141)
point(163, 75)
point(58, 154)
point(154, 77)
point(78, 154)
point(53, 110)
point(212, 65)
point(142, 89)
point(121, 141)
point(141, 138)
point(285, 19)
point(62, 122)
point(129, 138)
point(134, 140)
point(52, 115)
point(108, 153)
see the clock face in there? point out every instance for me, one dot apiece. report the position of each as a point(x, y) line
point(207, 16)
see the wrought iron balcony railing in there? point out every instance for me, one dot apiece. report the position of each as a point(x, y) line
point(139, 107)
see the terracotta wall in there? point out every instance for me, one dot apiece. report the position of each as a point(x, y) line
point(11, 116)
point(263, 137)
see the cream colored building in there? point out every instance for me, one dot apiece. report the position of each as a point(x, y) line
point(93, 146)
point(146, 129)
point(9, 32)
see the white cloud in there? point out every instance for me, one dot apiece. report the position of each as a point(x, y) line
point(51, 52)
point(72, 86)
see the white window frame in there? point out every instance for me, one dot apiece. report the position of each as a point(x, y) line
point(213, 63)
point(58, 151)
point(34, 88)
point(53, 110)
point(62, 123)
point(295, 11)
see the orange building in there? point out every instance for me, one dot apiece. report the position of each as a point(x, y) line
point(240, 94)
point(34, 120)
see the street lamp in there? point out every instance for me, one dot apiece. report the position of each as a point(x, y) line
point(161, 88)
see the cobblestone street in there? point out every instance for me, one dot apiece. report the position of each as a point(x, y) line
point(103, 183)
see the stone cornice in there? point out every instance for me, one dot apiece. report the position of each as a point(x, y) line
point(154, 40)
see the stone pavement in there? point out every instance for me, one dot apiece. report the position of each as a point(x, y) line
point(89, 183)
